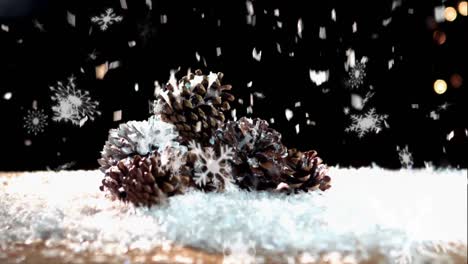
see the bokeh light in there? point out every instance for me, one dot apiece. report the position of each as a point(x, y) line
point(456, 80)
point(440, 86)
point(463, 8)
point(450, 14)
point(439, 37)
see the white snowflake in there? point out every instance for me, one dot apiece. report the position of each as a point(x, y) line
point(369, 122)
point(239, 251)
point(356, 74)
point(35, 121)
point(72, 105)
point(104, 20)
point(406, 158)
point(212, 170)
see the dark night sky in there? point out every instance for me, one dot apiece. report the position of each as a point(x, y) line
point(33, 58)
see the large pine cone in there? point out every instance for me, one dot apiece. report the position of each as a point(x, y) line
point(195, 106)
point(258, 153)
point(143, 181)
point(307, 171)
point(136, 138)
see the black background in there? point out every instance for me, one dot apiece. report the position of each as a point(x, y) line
point(31, 60)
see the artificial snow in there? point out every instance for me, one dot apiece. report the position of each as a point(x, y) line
point(257, 55)
point(406, 214)
point(319, 77)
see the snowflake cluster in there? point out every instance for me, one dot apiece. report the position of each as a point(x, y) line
point(72, 105)
point(364, 124)
point(210, 170)
point(106, 19)
point(35, 121)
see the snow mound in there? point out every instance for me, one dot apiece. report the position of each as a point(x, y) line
point(406, 215)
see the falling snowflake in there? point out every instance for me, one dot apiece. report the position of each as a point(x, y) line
point(72, 105)
point(35, 121)
point(104, 20)
point(369, 122)
point(239, 251)
point(356, 74)
point(406, 158)
point(211, 170)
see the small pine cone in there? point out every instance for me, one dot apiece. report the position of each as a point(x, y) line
point(307, 171)
point(143, 182)
point(136, 138)
point(257, 163)
point(195, 106)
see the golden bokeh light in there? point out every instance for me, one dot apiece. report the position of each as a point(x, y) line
point(450, 14)
point(463, 8)
point(101, 71)
point(440, 86)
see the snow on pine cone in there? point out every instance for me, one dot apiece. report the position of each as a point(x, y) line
point(136, 138)
point(307, 171)
point(143, 181)
point(257, 163)
point(262, 162)
point(194, 104)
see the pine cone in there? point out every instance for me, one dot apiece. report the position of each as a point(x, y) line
point(194, 105)
point(143, 181)
point(307, 171)
point(136, 138)
point(257, 163)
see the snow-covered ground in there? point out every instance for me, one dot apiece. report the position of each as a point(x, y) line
point(408, 215)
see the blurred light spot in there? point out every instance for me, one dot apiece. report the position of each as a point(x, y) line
point(71, 19)
point(7, 96)
point(439, 14)
point(440, 86)
point(163, 19)
point(114, 64)
point(463, 8)
point(456, 80)
point(117, 115)
point(431, 23)
point(323, 33)
point(300, 27)
point(289, 114)
point(27, 142)
point(439, 37)
point(101, 71)
point(450, 14)
point(123, 4)
point(450, 135)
